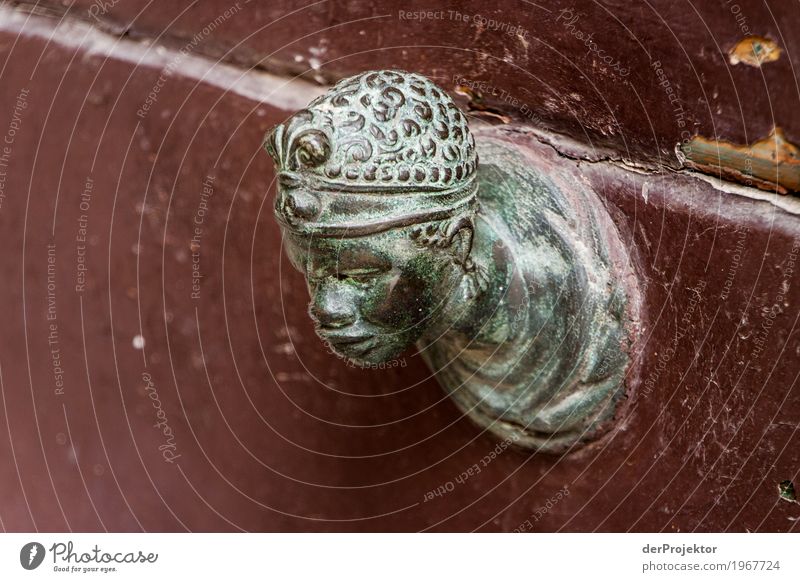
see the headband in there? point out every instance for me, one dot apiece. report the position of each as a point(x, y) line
point(380, 150)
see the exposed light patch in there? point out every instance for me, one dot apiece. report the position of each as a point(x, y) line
point(771, 163)
point(754, 51)
point(477, 105)
point(787, 491)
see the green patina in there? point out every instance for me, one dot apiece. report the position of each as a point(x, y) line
point(513, 285)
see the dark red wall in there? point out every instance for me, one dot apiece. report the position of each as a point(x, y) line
point(275, 434)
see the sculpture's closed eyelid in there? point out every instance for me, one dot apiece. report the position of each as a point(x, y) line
point(366, 280)
point(364, 273)
point(360, 276)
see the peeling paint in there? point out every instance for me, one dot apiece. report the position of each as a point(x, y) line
point(771, 163)
point(476, 104)
point(787, 492)
point(754, 51)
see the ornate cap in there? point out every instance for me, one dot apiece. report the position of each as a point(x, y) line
point(379, 150)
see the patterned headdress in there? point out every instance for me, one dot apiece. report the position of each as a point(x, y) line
point(379, 150)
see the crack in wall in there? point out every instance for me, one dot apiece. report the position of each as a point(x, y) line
point(285, 93)
point(292, 93)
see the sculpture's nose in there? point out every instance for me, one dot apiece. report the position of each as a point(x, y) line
point(334, 304)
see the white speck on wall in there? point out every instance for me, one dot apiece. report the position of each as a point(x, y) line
point(138, 342)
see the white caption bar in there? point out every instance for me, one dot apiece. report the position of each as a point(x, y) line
point(400, 557)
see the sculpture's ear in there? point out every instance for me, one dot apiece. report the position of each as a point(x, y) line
point(460, 235)
point(459, 240)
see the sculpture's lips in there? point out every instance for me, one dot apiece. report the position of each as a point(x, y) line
point(348, 342)
point(348, 339)
point(343, 338)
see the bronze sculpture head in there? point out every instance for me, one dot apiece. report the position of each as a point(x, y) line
point(377, 196)
point(516, 289)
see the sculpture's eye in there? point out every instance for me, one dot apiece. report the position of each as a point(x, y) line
point(361, 277)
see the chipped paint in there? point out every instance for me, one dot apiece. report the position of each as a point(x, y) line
point(787, 492)
point(771, 163)
point(477, 105)
point(754, 51)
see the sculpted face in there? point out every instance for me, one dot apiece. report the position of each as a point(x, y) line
point(375, 178)
point(372, 297)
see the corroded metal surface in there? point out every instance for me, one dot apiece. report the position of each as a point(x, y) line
point(513, 284)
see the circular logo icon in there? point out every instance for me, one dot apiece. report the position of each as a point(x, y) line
point(31, 555)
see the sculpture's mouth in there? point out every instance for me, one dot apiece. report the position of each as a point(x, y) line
point(349, 344)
